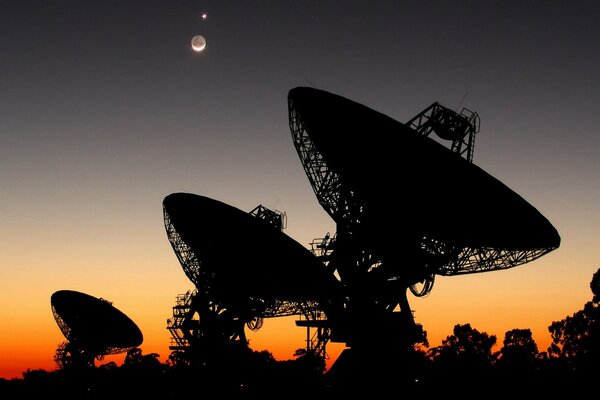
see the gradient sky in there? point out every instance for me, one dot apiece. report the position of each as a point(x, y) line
point(105, 110)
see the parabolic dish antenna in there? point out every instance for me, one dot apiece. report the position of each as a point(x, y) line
point(92, 325)
point(406, 208)
point(241, 256)
point(410, 191)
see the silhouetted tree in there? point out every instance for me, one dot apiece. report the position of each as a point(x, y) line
point(309, 361)
point(109, 366)
point(576, 339)
point(595, 286)
point(179, 359)
point(135, 358)
point(519, 351)
point(466, 354)
point(422, 342)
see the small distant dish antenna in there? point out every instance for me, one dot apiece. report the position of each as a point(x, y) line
point(93, 328)
point(198, 43)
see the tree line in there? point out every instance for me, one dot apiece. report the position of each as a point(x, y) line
point(464, 364)
point(571, 363)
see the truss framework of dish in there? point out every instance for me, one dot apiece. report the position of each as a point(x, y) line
point(461, 219)
point(92, 326)
point(450, 218)
point(243, 261)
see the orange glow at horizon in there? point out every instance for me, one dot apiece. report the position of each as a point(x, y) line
point(527, 296)
point(94, 137)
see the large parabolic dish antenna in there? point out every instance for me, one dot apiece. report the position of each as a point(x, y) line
point(92, 326)
point(402, 190)
point(238, 256)
point(244, 269)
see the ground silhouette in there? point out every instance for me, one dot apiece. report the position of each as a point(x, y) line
point(464, 365)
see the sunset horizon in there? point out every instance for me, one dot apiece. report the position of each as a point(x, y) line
point(310, 111)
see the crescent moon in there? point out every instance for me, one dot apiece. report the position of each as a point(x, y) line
point(198, 43)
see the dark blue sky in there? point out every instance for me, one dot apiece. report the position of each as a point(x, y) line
point(104, 110)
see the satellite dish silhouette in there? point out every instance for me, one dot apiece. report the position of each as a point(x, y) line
point(405, 189)
point(93, 328)
point(406, 208)
point(244, 269)
point(243, 256)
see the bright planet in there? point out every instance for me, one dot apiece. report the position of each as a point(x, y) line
point(198, 43)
